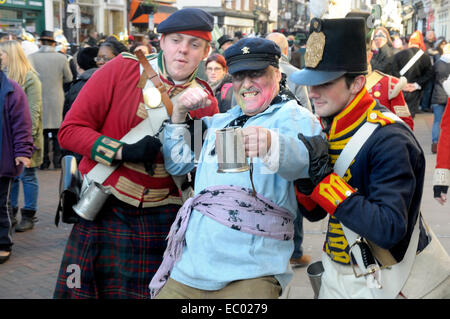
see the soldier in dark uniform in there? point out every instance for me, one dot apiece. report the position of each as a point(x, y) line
point(378, 196)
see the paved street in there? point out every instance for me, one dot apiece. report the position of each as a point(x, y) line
point(31, 271)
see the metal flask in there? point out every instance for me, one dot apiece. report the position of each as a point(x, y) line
point(91, 201)
point(230, 150)
point(315, 271)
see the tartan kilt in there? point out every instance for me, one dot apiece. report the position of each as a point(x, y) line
point(117, 254)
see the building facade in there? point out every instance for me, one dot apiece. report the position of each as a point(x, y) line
point(104, 16)
point(245, 16)
point(16, 15)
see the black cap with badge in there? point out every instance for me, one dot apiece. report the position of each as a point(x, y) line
point(252, 54)
point(335, 47)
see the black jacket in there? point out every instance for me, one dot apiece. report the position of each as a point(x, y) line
point(421, 72)
point(382, 61)
point(75, 88)
point(441, 73)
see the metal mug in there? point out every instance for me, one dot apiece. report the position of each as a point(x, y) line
point(91, 201)
point(315, 271)
point(230, 150)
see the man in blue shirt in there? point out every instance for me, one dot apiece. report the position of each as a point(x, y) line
point(233, 239)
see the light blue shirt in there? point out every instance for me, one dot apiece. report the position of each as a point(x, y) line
point(216, 255)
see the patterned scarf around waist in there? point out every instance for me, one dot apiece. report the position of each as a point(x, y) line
point(232, 206)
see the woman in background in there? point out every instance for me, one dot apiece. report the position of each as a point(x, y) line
point(17, 68)
point(108, 50)
point(219, 80)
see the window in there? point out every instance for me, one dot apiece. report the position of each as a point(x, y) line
point(247, 5)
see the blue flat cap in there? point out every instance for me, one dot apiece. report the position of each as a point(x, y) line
point(187, 19)
point(252, 54)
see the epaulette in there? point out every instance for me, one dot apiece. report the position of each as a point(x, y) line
point(376, 116)
point(396, 85)
point(128, 55)
point(373, 78)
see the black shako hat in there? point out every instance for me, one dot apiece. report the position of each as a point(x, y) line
point(187, 19)
point(334, 47)
point(252, 54)
point(47, 36)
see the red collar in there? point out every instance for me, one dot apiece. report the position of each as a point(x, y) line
point(352, 115)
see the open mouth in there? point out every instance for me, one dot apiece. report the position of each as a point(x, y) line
point(249, 94)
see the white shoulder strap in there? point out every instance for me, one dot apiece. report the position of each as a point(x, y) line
point(392, 279)
point(149, 126)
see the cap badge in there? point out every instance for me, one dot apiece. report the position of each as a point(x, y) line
point(314, 49)
point(245, 50)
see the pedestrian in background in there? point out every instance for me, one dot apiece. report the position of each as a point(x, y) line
point(223, 43)
point(418, 75)
point(300, 91)
point(383, 56)
point(439, 97)
point(219, 80)
point(86, 66)
point(108, 50)
point(53, 71)
point(298, 258)
point(16, 147)
point(441, 178)
point(17, 67)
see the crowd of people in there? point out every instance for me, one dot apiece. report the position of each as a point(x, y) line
point(295, 105)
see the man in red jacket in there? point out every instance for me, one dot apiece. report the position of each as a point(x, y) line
point(441, 179)
point(119, 252)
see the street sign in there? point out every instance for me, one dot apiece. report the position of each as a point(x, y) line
point(74, 16)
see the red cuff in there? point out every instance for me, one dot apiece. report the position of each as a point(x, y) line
point(305, 200)
point(331, 192)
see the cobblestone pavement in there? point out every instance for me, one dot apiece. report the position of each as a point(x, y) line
point(31, 271)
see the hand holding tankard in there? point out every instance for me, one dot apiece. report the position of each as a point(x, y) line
point(257, 141)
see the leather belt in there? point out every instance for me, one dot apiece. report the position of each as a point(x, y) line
point(153, 76)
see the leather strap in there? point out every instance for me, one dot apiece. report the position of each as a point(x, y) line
point(153, 76)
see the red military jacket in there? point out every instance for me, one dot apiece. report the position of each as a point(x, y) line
point(442, 172)
point(387, 90)
point(108, 106)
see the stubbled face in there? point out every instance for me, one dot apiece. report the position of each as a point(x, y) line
point(330, 98)
point(182, 54)
point(254, 90)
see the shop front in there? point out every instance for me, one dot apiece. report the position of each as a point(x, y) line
point(16, 15)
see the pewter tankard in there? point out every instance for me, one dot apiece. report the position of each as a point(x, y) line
point(230, 150)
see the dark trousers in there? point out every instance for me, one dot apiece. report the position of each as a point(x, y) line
point(413, 101)
point(55, 148)
point(5, 218)
point(425, 102)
